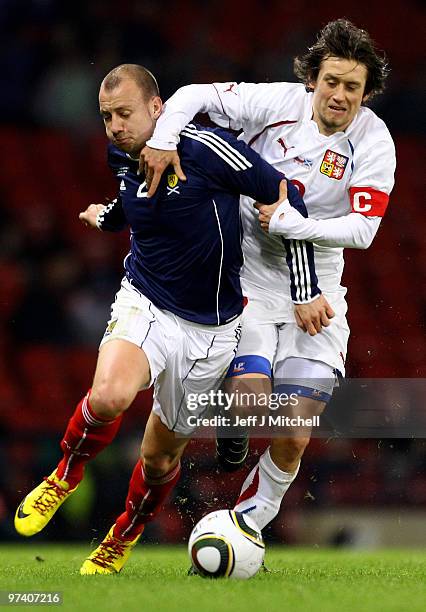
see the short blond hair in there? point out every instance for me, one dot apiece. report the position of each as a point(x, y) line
point(143, 77)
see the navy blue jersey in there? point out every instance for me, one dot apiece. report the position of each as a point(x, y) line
point(186, 240)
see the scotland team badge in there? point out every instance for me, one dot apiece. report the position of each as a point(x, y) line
point(172, 180)
point(172, 184)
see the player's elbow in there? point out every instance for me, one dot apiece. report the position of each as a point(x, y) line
point(365, 234)
point(361, 246)
point(363, 239)
point(364, 242)
point(185, 90)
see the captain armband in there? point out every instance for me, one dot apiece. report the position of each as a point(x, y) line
point(368, 201)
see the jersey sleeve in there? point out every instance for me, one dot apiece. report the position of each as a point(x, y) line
point(112, 218)
point(350, 231)
point(371, 183)
point(300, 256)
point(230, 105)
point(373, 178)
point(231, 165)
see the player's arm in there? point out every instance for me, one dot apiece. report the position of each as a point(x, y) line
point(89, 216)
point(351, 231)
point(368, 194)
point(232, 165)
point(111, 218)
point(106, 218)
point(228, 104)
point(314, 313)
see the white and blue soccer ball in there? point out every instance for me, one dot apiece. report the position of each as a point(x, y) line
point(226, 544)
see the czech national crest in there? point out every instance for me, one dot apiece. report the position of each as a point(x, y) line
point(333, 164)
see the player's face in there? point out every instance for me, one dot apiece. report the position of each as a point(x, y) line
point(338, 94)
point(128, 117)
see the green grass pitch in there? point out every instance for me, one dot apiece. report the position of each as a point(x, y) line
point(155, 580)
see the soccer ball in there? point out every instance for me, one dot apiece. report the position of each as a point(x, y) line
point(226, 544)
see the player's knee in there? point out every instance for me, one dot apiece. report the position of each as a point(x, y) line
point(157, 464)
point(248, 393)
point(109, 400)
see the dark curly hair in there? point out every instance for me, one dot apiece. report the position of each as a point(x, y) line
point(342, 39)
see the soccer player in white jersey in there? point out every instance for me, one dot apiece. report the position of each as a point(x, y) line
point(342, 158)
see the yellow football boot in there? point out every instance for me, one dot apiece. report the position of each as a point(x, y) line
point(38, 507)
point(110, 556)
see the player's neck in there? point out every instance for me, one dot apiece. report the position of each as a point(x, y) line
point(326, 130)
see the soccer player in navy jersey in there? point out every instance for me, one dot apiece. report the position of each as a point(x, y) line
point(175, 320)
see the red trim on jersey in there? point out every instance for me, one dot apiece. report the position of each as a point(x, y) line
point(221, 103)
point(272, 125)
point(368, 201)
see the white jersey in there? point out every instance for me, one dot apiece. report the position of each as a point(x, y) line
point(345, 178)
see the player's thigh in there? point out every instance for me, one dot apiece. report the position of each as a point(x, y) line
point(249, 375)
point(247, 394)
point(302, 389)
point(306, 382)
point(196, 368)
point(161, 448)
point(122, 370)
point(133, 349)
point(329, 346)
point(257, 344)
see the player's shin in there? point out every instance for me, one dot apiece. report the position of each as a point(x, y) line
point(86, 436)
point(263, 490)
point(144, 500)
point(232, 443)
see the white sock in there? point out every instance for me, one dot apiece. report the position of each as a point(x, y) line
point(263, 490)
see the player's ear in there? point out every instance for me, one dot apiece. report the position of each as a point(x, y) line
point(156, 107)
point(311, 84)
point(312, 78)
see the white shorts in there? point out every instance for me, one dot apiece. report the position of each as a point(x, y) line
point(263, 335)
point(184, 357)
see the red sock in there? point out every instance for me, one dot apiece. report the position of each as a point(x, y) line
point(144, 500)
point(86, 435)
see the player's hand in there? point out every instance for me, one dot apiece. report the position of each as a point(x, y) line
point(88, 217)
point(314, 316)
point(153, 162)
point(267, 210)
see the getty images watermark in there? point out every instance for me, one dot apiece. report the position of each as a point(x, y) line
point(268, 404)
point(358, 408)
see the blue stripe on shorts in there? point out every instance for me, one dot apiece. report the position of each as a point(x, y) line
point(310, 392)
point(249, 364)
